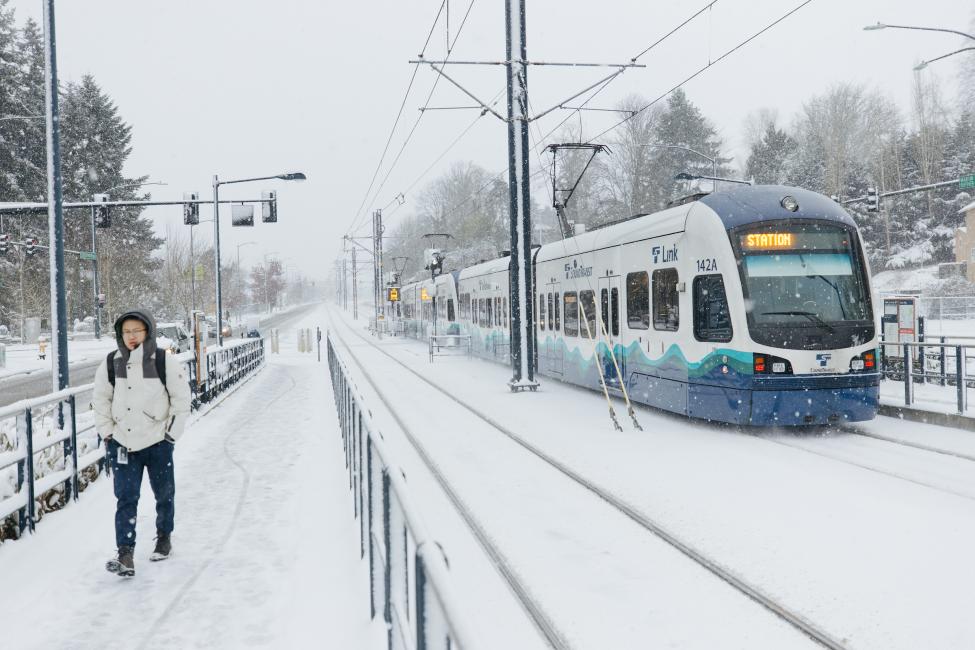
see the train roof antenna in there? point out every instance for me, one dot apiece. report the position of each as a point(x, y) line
point(566, 193)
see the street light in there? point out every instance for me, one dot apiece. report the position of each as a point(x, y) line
point(94, 250)
point(684, 176)
point(924, 64)
point(293, 176)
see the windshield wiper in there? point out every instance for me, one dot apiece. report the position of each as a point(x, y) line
point(808, 314)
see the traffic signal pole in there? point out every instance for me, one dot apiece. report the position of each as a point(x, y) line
point(94, 281)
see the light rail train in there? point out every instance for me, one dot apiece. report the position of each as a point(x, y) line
point(750, 306)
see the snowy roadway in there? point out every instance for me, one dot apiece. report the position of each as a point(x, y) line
point(266, 552)
point(868, 540)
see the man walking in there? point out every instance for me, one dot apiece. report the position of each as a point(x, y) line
point(141, 402)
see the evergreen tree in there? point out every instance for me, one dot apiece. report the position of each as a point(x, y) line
point(768, 160)
point(682, 123)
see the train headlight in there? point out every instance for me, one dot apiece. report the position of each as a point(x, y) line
point(778, 366)
point(856, 364)
point(790, 203)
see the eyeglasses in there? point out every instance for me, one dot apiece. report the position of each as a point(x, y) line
point(132, 332)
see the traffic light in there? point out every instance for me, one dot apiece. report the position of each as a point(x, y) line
point(873, 200)
point(191, 211)
point(102, 218)
point(242, 215)
point(30, 245)
point(4, 243)
point(269, 211)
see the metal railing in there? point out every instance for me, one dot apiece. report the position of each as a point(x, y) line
point(450, 342)
point(409, 575)
point(221, 369)
point(940, 363)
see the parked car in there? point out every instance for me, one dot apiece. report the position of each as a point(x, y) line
point(173, 338)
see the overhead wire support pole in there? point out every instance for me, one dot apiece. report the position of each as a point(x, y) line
point(520, 269)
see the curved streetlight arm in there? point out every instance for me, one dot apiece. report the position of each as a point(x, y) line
point(870, 28)
point(924, 64)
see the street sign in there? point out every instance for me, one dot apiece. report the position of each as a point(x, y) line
point(966, 182)
point(85, 255)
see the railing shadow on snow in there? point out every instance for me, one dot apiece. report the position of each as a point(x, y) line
point(56, 452)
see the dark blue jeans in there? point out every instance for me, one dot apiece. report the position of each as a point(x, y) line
point(158, 461)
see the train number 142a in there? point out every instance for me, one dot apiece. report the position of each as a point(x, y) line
point(707, 265)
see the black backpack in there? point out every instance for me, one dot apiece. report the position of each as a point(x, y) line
point(160, 367)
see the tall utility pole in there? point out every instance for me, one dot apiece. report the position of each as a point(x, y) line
point(345, 284)
point(520, 268)
point(377, 264)
point(355, 288)
point(55, 211)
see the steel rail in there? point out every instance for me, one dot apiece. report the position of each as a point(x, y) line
point(753, 592)
point(532, 607)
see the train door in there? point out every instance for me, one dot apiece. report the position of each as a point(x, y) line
point(553, 327)
point(609, 329)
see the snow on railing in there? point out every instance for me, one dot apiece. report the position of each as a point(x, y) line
point(418, 606)
point(45, 454)
point(936, 362)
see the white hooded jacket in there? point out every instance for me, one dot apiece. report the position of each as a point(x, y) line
point(139, 411)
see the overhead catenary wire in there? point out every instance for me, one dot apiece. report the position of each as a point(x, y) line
point(416, 124)
point(399, 114)
point(705, 67)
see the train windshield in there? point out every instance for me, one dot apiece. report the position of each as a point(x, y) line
point(805, 287)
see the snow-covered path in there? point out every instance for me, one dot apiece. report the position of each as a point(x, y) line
point(266, 552)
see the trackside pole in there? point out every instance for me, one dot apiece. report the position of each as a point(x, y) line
point(520, 268)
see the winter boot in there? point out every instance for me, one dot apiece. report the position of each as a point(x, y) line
point(123, 565)
point(163, 548)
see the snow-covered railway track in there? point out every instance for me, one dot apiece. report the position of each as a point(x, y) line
point(930, 467)
point(620, 505)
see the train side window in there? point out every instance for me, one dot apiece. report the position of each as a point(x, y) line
point(551, 309)
point(571, 314)
point(614, 302)
point(558, 303)
point(604, 309)
point(541, 311)
point(638, 300)
point(490, 312)
point(711, 319)
point(450, 310)
point(504, 302)
point(587, 302)
point(666, 315)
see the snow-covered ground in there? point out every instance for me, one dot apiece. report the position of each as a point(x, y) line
point(868, 539)
point(266, 552)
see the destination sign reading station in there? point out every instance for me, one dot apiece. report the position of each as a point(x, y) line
point(804, 239)
point(769, 241)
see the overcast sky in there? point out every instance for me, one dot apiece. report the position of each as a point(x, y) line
point(249, 88)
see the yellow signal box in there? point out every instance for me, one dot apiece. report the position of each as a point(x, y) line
point(392, 294)
point(424, 295)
